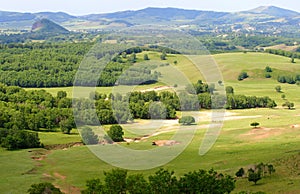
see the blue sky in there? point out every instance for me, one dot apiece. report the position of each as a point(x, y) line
point(82, 7)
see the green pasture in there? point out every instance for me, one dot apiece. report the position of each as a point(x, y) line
point(275, 140)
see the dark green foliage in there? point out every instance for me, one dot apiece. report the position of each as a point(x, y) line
point(88, 136)
point(116, 133)
point(254, 177)
point(229, 90)
point(34, 110)
point(61, 94)
point(94, 186)
point(243, 102)
point(197, 88)
point(66, 125)
point(146, 57)
point(41, 64)
point(243, 75)
point(240, 172)
point(288, 104)
point(187, 120)
point(136, 184)
point(267, 75)
point(268, 69)
point(162, 182)
point(284, 53)
point(55, 65)
point(115, 181)
point(163, 56)
point(278, 88)
point(209, 182)
point(43, 188)
point(254, 124)
point(290, 79)
point(271, 168)
point(13, 139)
point(153, 105)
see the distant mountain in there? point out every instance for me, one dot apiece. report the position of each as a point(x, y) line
point(274, 11)
point(157, 15)
point(264, 19)
point(55, 16)
point(45, 25)
point(6, 16)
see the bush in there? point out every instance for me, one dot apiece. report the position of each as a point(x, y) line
point(254, 124)
point(240, 172)
point(187, 120)
point(116, 133)
point(19, 139)
point(242, 76)
point(43, 188)
point(268, 69)
point(267, 75)
point(229, 90)
point(278, 88)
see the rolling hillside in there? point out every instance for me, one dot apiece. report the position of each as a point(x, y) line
point(266, 18)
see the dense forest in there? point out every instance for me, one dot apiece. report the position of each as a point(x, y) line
point(55, 65)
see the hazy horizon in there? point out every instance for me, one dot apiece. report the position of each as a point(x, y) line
point(79, 7)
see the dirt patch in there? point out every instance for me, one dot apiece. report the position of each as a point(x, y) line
point(48, 177)
point(57, 175)
point(157, 88)
point(262, 133)
point(63, 146)
point(165, 142)
point(69, 189)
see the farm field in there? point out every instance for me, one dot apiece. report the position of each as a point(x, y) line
point(275, 140)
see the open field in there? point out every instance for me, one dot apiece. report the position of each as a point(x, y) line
point(275, 141)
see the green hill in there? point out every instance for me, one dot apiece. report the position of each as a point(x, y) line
point(45, 25)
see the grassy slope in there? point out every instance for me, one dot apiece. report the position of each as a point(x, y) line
point(233, 149)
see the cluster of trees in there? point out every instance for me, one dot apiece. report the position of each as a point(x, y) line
point(244, 102)
point(34, 110)
point(163, 181)
point(113, 109)
point(283, 53)
point(268, 71)
point(257, 172)
point(43, 188)
point(289, 78)
point(13, 139)
point(55, 65)
point(41, 64)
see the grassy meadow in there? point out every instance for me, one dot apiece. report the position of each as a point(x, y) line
point(275, 141)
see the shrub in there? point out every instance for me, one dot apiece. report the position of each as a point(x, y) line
point(116, 133)
point(187, 120)
point(242, 76)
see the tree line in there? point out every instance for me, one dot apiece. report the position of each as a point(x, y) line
point(36, 110)
point(289, 54)
point(163, 181)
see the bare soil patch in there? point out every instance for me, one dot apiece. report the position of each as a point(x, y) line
point(262, 133)
point(63, 146)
